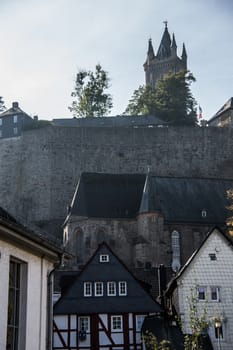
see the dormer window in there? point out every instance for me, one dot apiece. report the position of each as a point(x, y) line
point(203, 213)
point(104, 258)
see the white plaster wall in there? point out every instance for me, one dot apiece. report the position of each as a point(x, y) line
point(36, 314)
point(205, 272)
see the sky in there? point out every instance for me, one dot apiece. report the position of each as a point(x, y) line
point(45, 42)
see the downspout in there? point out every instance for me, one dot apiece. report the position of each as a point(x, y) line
point(41, 297)
point(49, 341)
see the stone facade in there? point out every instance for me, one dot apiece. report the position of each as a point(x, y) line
point(39, 171)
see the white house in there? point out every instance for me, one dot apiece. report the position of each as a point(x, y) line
point(208, 276)
point(27, 261)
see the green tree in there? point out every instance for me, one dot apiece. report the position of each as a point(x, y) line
point(91, 99)
point(172, 100)
point(142, 102)
point(2, 105)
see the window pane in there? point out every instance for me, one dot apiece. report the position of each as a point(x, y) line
point(84, 324)
point(111, 288)
point(98, 288)
point(116, 323)
point(122, 288)
point(201, 293)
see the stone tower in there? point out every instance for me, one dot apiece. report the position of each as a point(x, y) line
point(165, 61)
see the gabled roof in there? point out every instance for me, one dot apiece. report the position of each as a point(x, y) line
point(222, 234)
point(137, 299)
point(227, 106)
point(15, 109)
point(14, 232)
point(101, 195)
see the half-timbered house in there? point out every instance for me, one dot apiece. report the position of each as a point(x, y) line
point(103, 308)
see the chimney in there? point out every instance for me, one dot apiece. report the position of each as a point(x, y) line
point(15, 105)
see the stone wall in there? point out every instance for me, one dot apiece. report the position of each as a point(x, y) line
point(39, 171)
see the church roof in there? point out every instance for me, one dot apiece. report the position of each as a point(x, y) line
point(199, 200)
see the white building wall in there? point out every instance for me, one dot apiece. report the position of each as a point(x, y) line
point(36, 313)
point(206, 272)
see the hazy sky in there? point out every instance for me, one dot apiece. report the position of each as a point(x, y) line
point(45, 42)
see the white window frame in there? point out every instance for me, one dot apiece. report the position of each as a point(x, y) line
point(111, 288)
point(217, 291)
point(116, 323)
point(15, 118)
point(87, 289)
point(200, 290)
point(84, 323)
point(104, 258)
point(99, 289)
point(122, 291)
point(139, 322)
point(20, 328)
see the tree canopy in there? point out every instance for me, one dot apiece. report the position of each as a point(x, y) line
point(2, 105)
point(172, 100)
point(91, 99)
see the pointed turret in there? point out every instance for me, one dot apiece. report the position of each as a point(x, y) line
point(150, 52)
point(184, 56)
point(164, 50)
point(173, 45)
point(150, 200)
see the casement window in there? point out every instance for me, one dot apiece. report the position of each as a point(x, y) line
point(139, 322)
point(111, 288)
point(214, 293)
point(201, 293)
point(116, 323)
point(87, 289)
point(17, 299)
point(104, 258)
point(98, 289)
point(122, 288)
point(15, 118)
point(84, 323)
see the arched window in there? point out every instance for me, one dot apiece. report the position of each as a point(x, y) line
point(175, 238)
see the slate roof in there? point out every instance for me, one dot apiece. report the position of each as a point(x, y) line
point(15, 109)
point(101, 195)
point(228, 105)
point(22, 233)
point(137, 299)
point(117, 121)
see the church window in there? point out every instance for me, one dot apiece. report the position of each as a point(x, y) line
point(87, 289)
point(175, 239)
point(111, 288)
point(98, 289)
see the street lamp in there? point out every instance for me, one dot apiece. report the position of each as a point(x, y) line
point(218, 325)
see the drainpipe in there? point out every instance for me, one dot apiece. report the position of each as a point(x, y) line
point(49, 341)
